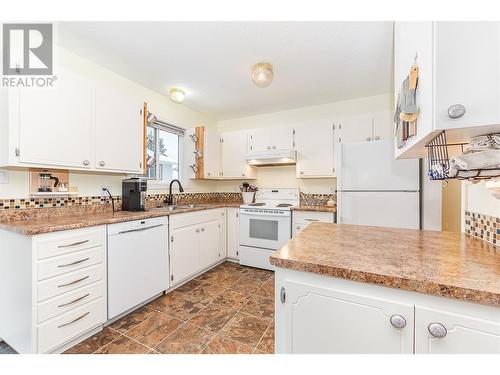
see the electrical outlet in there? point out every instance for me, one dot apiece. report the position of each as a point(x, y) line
point(4, 177)
point(102, 192)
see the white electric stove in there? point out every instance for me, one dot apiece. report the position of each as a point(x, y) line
point(266, 225)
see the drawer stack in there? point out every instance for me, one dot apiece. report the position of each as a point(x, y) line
point(70, 286)
point(302, 219)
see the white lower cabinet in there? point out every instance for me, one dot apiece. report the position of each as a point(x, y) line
point(233, 233)
point(321, 314)
point(301, 219)
point(57, 288)
point(195, 243)
point(442, 332)
point(322, 320)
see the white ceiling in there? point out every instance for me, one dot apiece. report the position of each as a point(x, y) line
point(315, 62)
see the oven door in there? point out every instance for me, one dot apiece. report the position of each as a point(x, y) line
point(265, 230)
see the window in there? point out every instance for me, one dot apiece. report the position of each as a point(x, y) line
point(163, 151)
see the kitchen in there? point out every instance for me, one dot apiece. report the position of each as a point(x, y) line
point(248, 211)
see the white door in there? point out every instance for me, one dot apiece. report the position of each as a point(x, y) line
point(209, 242)
point(383, 209)
point(184, 254)
point(315, 144)
point(233, 232)
point(55, 124)
point(454, 334)
point(282, 138)
point(233, 159)
point(356, 128)
point(327, 321)
point(382, 125)
point(259, 140)
point(119, 131)
point(212, 154)
point(467, 72)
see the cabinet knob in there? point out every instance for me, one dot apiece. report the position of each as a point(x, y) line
point(86, 162)
point(456, 111)
point(301, 172)
point(297, 227)
point(398, 321)
point(377, 138)
point(208, 174)
point(437, 330)
point(101, 163)
point(243, 175)
point(268, 147)
point(274, 147)
point(368, 139)
point(197, 231)
point(203, 229)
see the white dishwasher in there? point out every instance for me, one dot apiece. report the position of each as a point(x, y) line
point(138, 266)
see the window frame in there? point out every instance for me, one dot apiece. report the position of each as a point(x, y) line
point(156, 183)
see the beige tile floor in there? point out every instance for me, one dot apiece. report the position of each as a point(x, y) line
point(229, 309)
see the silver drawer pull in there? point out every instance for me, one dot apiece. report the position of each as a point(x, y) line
point(311, 219)
point(73, 282)
point(140, 229)
point(72, 244)
point(75, 301)
point(74, 263)
point(74, 321)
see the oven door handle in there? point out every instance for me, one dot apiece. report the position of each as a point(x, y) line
point(263, 216)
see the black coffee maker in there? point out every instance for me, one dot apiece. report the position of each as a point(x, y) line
point(134, 194)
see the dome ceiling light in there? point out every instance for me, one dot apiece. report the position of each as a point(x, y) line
point(262, 74)
point(177, 95)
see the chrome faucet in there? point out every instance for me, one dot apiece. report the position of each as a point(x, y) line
point(170, 198)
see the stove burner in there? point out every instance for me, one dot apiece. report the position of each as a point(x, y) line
point(257, 204)
point(284, 205)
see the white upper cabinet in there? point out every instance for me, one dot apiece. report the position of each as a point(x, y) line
point(119, 129)
point(315, 144)
point(234, 163)
point(211, 154)
point(459, 64)
point(270, 139)
point(366, 127)
point(55, 124)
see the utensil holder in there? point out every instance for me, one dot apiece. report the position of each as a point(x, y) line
point(248, 196)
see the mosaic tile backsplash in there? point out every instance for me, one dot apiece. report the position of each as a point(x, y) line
point(30, 208)
point(483, 226)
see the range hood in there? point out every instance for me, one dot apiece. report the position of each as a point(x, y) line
point(267, 159)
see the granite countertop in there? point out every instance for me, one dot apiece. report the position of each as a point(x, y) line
point(315, 208)
point(446, 264)
point(65, 222)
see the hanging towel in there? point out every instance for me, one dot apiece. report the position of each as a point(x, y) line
point(485, 141)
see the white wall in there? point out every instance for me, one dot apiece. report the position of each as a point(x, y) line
point(166, 110)
point(479, 199)
point(285, 176)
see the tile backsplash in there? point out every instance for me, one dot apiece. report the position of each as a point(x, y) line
point(483, 226)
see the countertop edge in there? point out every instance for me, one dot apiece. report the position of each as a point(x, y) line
point(395, 282)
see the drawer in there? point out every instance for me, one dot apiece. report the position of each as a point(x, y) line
point(312, 216)
point(69, 281)
point(69, 301)
point(70, 262)
point(66, 327)
point(68, 241)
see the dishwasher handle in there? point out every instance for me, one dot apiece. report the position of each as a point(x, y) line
point(141, 229)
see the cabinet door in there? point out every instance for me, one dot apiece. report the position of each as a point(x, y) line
point(297, 227)
point(323, 320)
point(233, 159)
point(184, 255)
point(467, 72)
point(212, 154)
point(259, 140)
point(315, 143)
point(382, 125)
point(356, 128)
point(209, 248)
point(233, 232)
point(119, 131)
point(282, 138)
point(55, 124)
point(463, 335)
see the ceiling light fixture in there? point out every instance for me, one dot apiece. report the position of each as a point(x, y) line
point(262, 74)
point(177, 95)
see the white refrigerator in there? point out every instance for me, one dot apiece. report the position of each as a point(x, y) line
point(375, 189)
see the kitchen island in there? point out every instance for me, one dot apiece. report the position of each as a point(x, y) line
point(358, 289)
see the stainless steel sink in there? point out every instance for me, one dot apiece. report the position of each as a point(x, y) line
point(180, 207)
